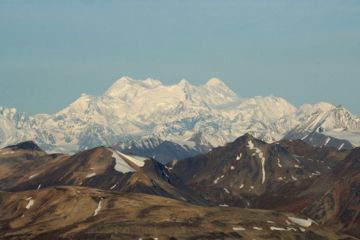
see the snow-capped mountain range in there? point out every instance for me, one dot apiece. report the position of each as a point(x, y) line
point(196, 117)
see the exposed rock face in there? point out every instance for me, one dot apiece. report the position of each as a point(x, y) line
point(18, 161)
point(28, 145)
point(162, 151)
point(251, 173)
point(339, 206)
point(319, 139)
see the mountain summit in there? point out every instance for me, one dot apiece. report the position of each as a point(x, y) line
point(124, 84)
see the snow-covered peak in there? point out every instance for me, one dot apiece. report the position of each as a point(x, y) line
point(151, 83)
point(270, 107)
point(328, 120)
point(334, 119)
point(217, 94)
point(318, 107)
point(340, 118)
point(80, 105)
point(121, 86)
point(183, 83)
point(215, 82)
point(125, 84)
point(323, 106)
point(7, 111)
point(122, 81)
point(83, 101)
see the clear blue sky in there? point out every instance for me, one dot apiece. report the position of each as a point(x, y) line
point(305, 51)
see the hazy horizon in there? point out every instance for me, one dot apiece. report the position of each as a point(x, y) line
point(305, 52)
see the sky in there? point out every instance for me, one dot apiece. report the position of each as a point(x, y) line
point(304, 51)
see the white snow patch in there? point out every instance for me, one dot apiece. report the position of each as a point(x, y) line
point(278, 163)
point(293, 178)
point(241, 186)
point(257, 228)
point(272, 228)
point(216, 180)
point(239, 157)
point(232, 168)
point(30, 203)
point(90, 175)
point(327, 141)
point(261, 156)
point(316, 173)
point(98, 208)
point(184, 199)
point(301, 222)
point(113, 187)
point(223, 205)
point(250, 145)
point(263, 169)
point(32, 176)
point(341, 146)
point(227, 190)
point(237, 228)
point(291, 229)
point(166, 175)
point(38, 187)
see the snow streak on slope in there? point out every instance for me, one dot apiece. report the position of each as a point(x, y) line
point(137, 160)
point(121, 165)
point(97, 210)
point(123, 160)
point(30, 203)
point(260, 154)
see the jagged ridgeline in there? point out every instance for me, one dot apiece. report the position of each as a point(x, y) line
point(149, 116)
